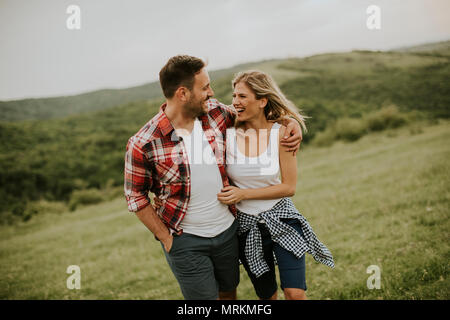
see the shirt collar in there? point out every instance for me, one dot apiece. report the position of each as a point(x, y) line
point(166, 127)
point(164, 123)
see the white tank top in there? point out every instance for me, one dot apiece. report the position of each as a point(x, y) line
point(254, 172)
point(206, 216)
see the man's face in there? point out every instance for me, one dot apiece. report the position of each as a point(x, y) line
point(200, 94)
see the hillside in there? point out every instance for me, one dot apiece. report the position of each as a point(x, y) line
point(382, 200)
point(53, 158)
point(58, 107)
point(437, 48)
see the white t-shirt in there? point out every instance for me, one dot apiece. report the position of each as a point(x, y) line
point(206, 216)
point(254, 172)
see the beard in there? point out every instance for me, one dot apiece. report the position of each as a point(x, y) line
point(194, 107)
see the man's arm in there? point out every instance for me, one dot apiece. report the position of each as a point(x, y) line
point(293, 135)
point(138, 181)
point(151, 220)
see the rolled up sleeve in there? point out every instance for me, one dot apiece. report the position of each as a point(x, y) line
point(138, 178)
point(228, 111)
point(230, 115)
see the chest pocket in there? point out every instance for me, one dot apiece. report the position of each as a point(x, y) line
point(169, 172)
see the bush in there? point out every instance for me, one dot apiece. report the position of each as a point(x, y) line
point(44, 206)
point(386, 117)
point(85, 197)
point(324, 138)
point(18, 209)
point(8, 218)
point(350, 129)
point(415, 129)
point(19, 212)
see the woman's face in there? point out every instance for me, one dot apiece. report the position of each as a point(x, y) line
point(246, 104)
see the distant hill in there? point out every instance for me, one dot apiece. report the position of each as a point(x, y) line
point(58, 107)
point(51, 158)
point(437, 48)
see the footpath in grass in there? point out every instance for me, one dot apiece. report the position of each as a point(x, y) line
point(382, 200)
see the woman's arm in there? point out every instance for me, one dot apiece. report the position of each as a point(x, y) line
point(288, 167)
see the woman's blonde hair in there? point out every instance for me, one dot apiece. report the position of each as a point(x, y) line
point(263, 86)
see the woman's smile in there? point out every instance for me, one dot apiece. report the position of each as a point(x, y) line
point(240, 110)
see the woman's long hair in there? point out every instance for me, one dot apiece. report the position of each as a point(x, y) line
point(263, 86)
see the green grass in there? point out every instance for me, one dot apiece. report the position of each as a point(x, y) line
point(383, 200)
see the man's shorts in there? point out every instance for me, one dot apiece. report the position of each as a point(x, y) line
point(205, 266)
point(292, 270)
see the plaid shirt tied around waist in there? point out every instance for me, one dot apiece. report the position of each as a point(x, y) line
point(156, 161)
point(281, 233)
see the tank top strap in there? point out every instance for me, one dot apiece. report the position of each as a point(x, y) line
point(274, 132)
point(276, 125)
point(231, 143)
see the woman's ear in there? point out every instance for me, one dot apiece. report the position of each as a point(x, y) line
point(263, 103)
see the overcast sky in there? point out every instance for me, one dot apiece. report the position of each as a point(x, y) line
point(125, 43)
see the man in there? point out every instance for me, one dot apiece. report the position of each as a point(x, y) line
point(179, 155)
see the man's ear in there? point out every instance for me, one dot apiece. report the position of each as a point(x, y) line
point(182, 94)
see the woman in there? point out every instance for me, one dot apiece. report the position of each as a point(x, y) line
point(269, 224)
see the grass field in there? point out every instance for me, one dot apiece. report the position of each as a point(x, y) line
point(383, 200)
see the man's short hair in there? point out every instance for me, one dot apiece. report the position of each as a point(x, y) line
point(179, 71)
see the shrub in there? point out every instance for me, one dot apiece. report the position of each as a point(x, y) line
point(324, 138)
point(45, 206)
point(8, 218)
point(85, 197)
point(415, 129)
point(350, 129)
point(386, 117)
point(19, 212)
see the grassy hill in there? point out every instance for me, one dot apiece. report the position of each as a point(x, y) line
point(310, 69)
point(437, 48)
point(382, 200)
point(58, 107)
point(78, 157)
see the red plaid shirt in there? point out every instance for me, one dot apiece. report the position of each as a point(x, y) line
point(156, 161)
